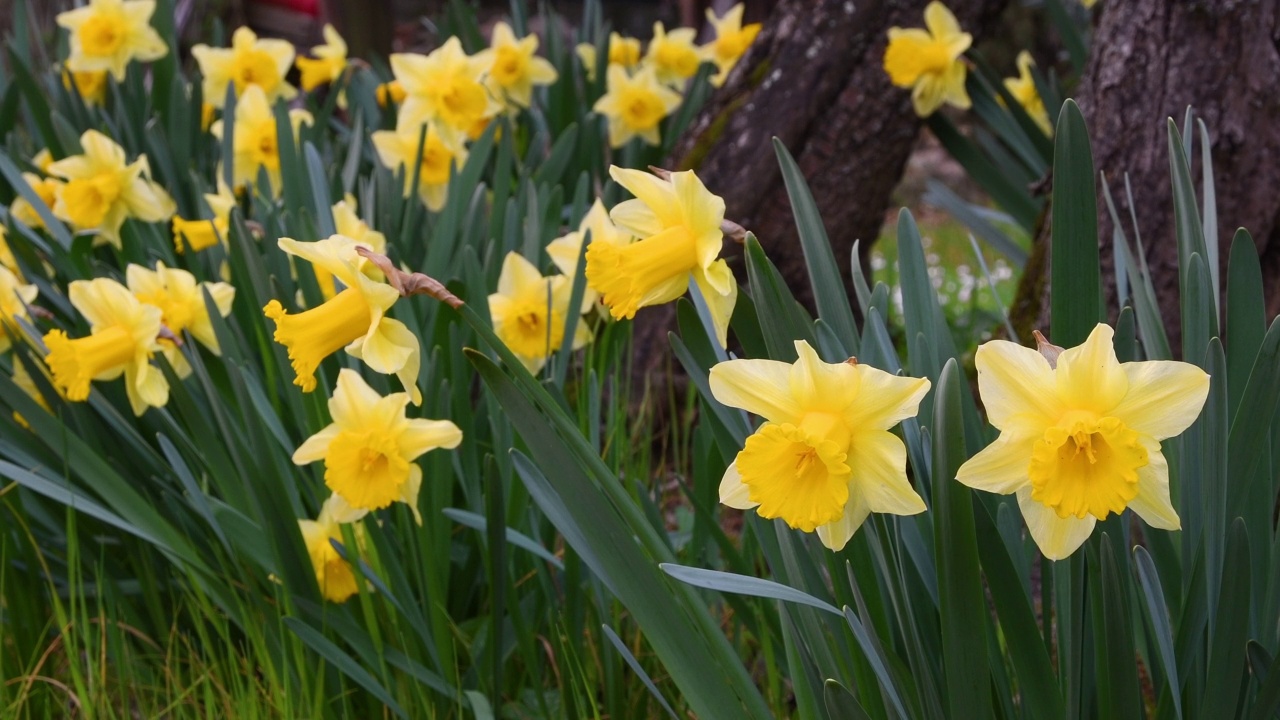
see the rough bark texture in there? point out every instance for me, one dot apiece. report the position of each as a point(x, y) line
point(1150, 60)
point(814, 78)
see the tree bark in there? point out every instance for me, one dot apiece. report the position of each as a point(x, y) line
point(1150, 60)
point(814, 78)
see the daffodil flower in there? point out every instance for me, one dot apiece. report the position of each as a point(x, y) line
point(46, 189)
point(203, 233)
point(442, 151)
point(566, 249)
point(354, 319)
point(731, 43)
point(673, 55)
point(529, 312)
point(370, 448)
point(1023, 89)
point(929, 62)
point(635, 105)
point(390, 93)
point(348, 224)
point(334, 575)
point(181, 302)
point(102, 190)
point(249, 62)
point(514, 68)
point(90, 84)
point(255, 145)
point(1080, 440)
point(446, 85)
point(678, 223)
point(15, 296)
point(108, 34)
point(329, 63)
point(123, 337)
point(824, 459)
point(623, 51)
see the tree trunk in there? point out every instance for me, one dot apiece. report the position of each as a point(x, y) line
point(1150, 60)
point(815, 79)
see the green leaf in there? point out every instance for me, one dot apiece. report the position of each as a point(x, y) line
point(325, 647)
point(782, 319)
point(1246, 315)
point(824, 274)
point(1158, 615)
point(1227, 645)
point(1267, 670)
point(1015, 199)
point(842, 704)
point(1186, 215)
point(1116, 671)
point(743, 585)
point(879, 663)
point(1075, 280)
point(476, 521)
point(963, 606)
point(635, 666)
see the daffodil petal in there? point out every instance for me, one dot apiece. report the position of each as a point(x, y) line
point(1164, 397)
point(423, 435)
point(879, 463)
point(719, 302)
point(1016, 385)
point(835, 535)
point(1056, 537)
point(818, 384)
point(1152, 502)
point(410, 490)
point(314, 448)
point(353, 400)
point(1089, 376)
point(890, 399)
point(758, 386)
point(733, 492)
point(1000, 467)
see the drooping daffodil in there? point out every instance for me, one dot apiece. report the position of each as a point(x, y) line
point(102, 190)
point(731, 43)
point(442, 148)
point(634, 105)
point(1080, 438)
point(354, 319)
point(530, 312)
point(256, 143)
point(123, 336)
point(370, 447)
point(180, 299)
point(106, 35)
point(329, 63)
point(678, 225)
point(334, 575)
point(1023, 89)
point(566, 249)
point(249, 62)
point(824, 459)
point(929, 61)
point(514, 68)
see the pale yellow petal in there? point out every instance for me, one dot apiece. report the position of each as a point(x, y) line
point(1000, 467)
point(720, 302)
point(1164, 397)
point(879, 463)
point(1017, 386)
point(733, 492)
point(1152, 502)
point(1089, 377)
point(1056, 537)
point(353, 400)
point(761, 387)
point(423, 435)
point(835, 535)
point(314, 448)
point(884, 399)
point(818, 385)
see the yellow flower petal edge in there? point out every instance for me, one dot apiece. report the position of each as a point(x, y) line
point(824, 458)
point(1080, 438)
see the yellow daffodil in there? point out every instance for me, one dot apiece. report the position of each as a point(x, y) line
point(588, 54)
point(354, 319)
point(446, 85)
point(348, 224)
point(390, 92)
point(42, 160)
point(334, 575)
point(46, 189)
point(102, 190)
point(442, 151)
point(181, 302)
point(678, 223)
point(529, 312)
point(623, 51)
point(107, 34)
point(7, 260)
point(1080, 440)
point(249, 62)
point(824, 459)
point(23, 380)
point(513, 68)
point(1023, 89)
point(256, 145)
point(929, 62)
point(635, 105)
point(123, 337)
point(14, 299)
point(566, 249)
point(731, 43)
point(203, 233)
point(673, 55)
point(329, 63)
point(91, 84)
point(369, 449)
